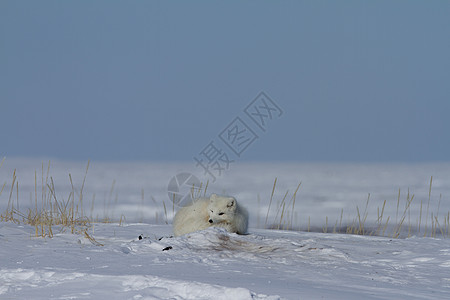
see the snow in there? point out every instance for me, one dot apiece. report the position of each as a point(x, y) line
point(215, 264)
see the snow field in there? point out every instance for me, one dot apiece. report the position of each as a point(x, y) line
point(214, 264)
point(111, 262)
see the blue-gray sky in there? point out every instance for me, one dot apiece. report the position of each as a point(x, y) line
point(159, 80)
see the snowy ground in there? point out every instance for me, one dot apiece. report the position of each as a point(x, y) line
point(214, 264)
point(265, 264)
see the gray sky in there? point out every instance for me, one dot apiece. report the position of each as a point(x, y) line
point(159, 80)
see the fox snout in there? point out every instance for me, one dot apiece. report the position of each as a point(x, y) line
point(210, 221)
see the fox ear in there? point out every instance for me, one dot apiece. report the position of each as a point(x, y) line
point(230, 204)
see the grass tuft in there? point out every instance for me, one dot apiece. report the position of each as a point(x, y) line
point(381, 225)
point(53, 212)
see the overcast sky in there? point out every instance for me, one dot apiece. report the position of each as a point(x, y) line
point(173, 80)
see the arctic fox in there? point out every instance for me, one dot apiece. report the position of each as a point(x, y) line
point(215, 211)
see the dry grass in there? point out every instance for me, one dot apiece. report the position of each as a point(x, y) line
point(400, 225)
point(52, 212)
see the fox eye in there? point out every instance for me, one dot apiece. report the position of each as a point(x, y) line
point(211, 211)
point(221, 214)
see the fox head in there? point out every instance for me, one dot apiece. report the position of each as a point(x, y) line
point(221, 209)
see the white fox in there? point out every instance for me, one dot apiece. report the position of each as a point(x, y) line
point(215, 211)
